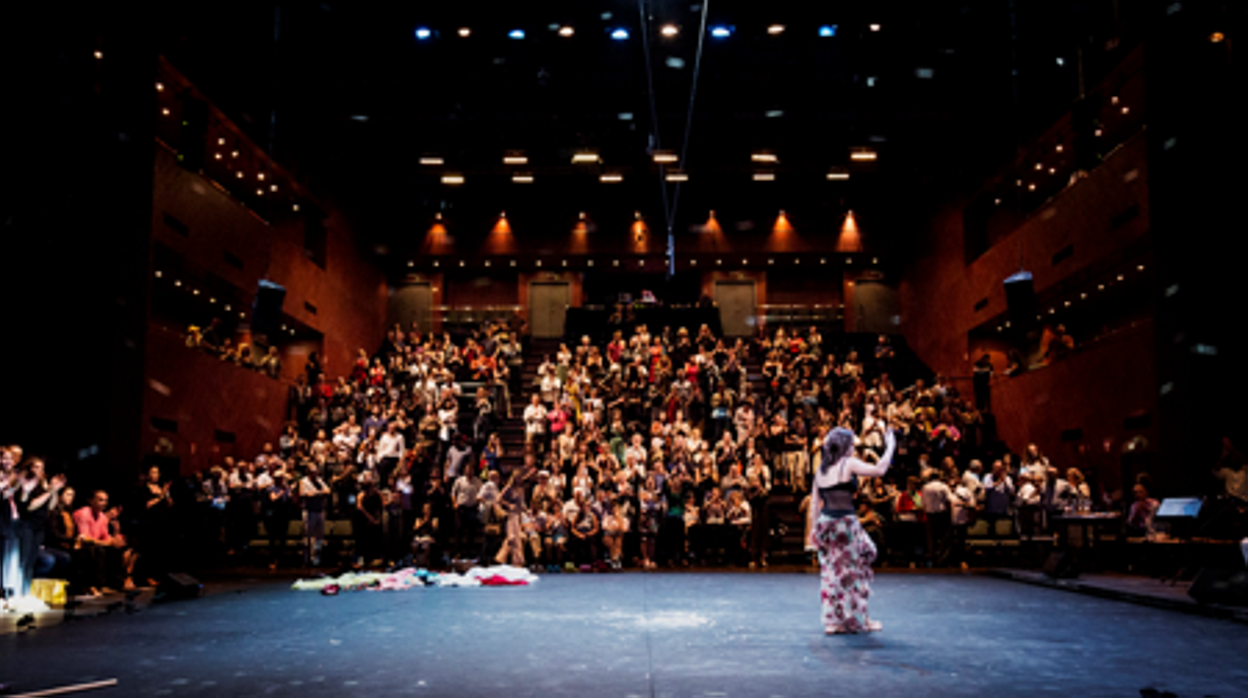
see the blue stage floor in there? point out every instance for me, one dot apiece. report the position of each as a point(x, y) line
point(681, 634)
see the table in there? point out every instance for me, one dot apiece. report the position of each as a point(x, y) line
point(1077, 532)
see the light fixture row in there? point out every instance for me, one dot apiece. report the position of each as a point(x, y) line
point(659, 157)
point(615, 178)
point(693, 262)
point(621, 33)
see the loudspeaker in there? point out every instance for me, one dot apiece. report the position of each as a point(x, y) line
point(177, 586)
point(1059, 565)
point(1020, 299)
point(1220, 586)
point(266, 311)
point(191, 137)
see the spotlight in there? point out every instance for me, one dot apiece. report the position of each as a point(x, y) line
point(620, 34)
point(721, 32)
point(226, 308)
point(220, 141)
point(259, 192)
point(775, 29)
point(1140, 268)
point(1039, 167)
point(422, 33)
point(1126, 109)
point(516, 34)
point(863, 155)
point(827, 30)
point(669, 30)
point(1058, 148)
point(212, 300)
point(160, 87)
point(838, 176)
point(165, 111)
point(522, 179)
point(240, 174)
point(1216, 37)
point(260, 176)
point(665, 157)
point(566, 32)
point(99, 55)
point(465, 32)
point(294, 207)
point(234, 153)
point(611, 178)
point(273, 187)
point(515, 160)
point(874, 27)
point(452, 179)
point(177, 282)
point(431, 161)
point(583, 158)
point(773, 113)
point(764, 157)
point(1031, 187)
point(764, 176)
point(216, 156)
point(677, 177)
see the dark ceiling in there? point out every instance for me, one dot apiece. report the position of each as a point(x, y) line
point(347, 96)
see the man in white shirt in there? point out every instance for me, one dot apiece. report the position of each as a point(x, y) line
point(971, 480)
point(937, 506)
point(535, 423)
point(390, 450)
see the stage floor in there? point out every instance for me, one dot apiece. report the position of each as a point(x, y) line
point(640, 635)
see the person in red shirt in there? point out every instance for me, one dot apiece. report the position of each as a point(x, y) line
point(96, 538)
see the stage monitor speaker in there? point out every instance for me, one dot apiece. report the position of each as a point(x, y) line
point(1020, 299)
point(178, 586)
point(266, 312)
point(1220, 586)
point(1060, 565)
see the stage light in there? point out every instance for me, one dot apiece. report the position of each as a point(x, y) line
point(1113, 99)
point(1058, 148)
point(1083, 296)
point(1039, 167)
point(615, 262)
point(719, 262)
point(165, 111)
point(422, 33)
point(823, 260)
point(522, 179)
point(838, 176)
point(641, 262)
point(589, 262)
point(1052, 311)
point(677, 177)
point(212, 300)
point(1100, 287)
point(611, 178)
point(160, 87)
point(515, 160)
point(771, 261)
point(513, 262)
point(292, 330)
point(745, 262)
point(1097, 133)
point(863, 155)
point(1061, 61)
point(1121, 277)
point(721, 32)
point(620, 34)
point(566, 32)
point(674, 62)
point(294, 207)
point(159, 273)
point(273, 187)
point(874, 27)
point(1215, 37)
point(465, 32)
point(516, 34)
point(431, 161)
point(99, 55)
point(240, 174)
point(764, 177)
point(1052, 170)
point(538, 263)
point(669, 30)
point(1031, 187)
point(260, 176)
point(259, 192)
point(625, 116)
point(996, 202)
point(1140, 268)
point(870, 81)
point(411, 263)
point(1126, 109)
point(827, 30)
point(924, 73)
point(564, 263)
point(665, 157)
point(849, 260)
point(773, 113)
point(178, 282)
point(764, 157)
point(581, 215)
point(1067, 304)
point(775, 29)
point(487, 262)
point(242, 314)
point(220, 141)
point(452, 179)
point(227, 308)
point(216, 156)
point(583, 158)
point(234, 153)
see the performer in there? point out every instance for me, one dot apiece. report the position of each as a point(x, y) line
point(845, 550)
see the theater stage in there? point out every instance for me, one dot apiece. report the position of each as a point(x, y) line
point(678, 634)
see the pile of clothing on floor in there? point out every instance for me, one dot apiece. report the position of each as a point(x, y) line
point(414, 578)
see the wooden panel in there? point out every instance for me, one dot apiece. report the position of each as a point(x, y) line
point(548, 307)
point(736, 307)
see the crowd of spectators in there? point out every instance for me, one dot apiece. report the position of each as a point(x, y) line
point(655, 449)
point(211, 339)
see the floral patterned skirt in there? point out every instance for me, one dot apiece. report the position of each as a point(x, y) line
point(845, 556)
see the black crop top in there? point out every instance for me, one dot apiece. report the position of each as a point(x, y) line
point(838, 500)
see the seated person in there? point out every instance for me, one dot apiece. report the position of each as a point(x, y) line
point(98, 543)
point(1140, 515)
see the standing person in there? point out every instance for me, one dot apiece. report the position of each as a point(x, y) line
point(313, 493)
point(155, 523)
point(981, 380)
point(845, 550)
point(391, 448)
point(33, 500)
point(757, 491)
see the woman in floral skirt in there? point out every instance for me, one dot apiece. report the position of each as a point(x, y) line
point(845, 550)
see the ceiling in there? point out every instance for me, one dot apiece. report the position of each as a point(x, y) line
point(351, 99)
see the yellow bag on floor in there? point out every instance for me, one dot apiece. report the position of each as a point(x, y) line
point(50, 591)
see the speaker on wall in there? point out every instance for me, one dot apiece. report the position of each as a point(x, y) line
point(266, 312)
point(1020, 299)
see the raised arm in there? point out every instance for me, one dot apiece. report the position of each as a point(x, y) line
point(864, 469)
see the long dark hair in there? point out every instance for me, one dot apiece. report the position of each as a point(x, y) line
point(836, 445)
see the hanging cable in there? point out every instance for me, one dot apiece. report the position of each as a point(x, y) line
point(654, 124)
point(684, 148)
